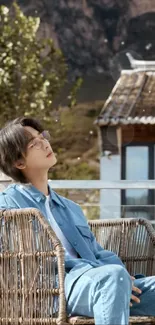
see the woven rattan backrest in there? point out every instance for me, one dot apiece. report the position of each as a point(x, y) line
point(31, 269)
point(131, 239)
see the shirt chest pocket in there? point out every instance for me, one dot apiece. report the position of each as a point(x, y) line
point(85, 232)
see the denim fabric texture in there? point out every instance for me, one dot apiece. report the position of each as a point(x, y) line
point(97, 284)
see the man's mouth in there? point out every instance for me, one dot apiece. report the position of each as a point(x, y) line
point(49, 154)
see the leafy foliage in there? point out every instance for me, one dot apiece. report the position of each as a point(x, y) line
point(32, 71)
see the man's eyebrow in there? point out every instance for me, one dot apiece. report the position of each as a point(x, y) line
point(34, 137)
point(30, 139)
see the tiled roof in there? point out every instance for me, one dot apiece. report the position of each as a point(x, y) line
point(132, 100)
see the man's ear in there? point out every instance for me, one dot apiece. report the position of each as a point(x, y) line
point(20, 164)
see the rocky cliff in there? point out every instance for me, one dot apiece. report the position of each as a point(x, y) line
point(91, 33)
point(94, 36)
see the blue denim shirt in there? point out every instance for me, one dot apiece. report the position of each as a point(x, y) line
point(71, 221)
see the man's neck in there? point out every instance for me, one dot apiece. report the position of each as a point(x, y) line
point(41, 185)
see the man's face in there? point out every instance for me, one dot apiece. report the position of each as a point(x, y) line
point(39, 152)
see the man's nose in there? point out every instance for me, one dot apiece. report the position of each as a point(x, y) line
point(45, 145)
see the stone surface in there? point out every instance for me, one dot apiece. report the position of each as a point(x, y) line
point(91, 33)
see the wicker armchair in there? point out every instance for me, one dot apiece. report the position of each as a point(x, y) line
point(32, 265)
point(31, 270)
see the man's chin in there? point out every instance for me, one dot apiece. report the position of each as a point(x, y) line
point(53, 163)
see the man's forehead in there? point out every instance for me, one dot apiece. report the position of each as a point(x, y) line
point(31, 130)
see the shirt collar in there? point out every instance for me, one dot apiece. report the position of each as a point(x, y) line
point(56, 198)
point(38, 195)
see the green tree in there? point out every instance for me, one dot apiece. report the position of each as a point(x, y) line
point(32, 71)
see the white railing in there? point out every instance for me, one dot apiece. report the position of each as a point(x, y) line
point(93, 185)
point(98, 184)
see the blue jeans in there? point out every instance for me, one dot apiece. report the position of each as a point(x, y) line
point(104, 293)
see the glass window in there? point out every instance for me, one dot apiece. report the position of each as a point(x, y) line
point(136, 168)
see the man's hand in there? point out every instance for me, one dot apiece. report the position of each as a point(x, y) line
point(135, 289)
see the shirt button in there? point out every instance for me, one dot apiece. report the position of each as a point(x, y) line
point(60, 224)
point(75, 243)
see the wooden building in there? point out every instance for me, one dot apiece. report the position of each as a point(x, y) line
point(127, 136)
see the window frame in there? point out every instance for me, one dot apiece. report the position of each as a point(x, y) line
point(151, 172)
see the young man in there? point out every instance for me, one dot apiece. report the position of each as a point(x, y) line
point(96, 283)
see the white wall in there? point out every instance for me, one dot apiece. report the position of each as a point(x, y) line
point(110, 200)
point(4, 181)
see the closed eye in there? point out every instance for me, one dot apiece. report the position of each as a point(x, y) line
point(31, 145)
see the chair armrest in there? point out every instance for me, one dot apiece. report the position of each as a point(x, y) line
point(132, 239)
point(31, 260)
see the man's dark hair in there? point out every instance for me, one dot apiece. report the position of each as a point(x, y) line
point(14, 139)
